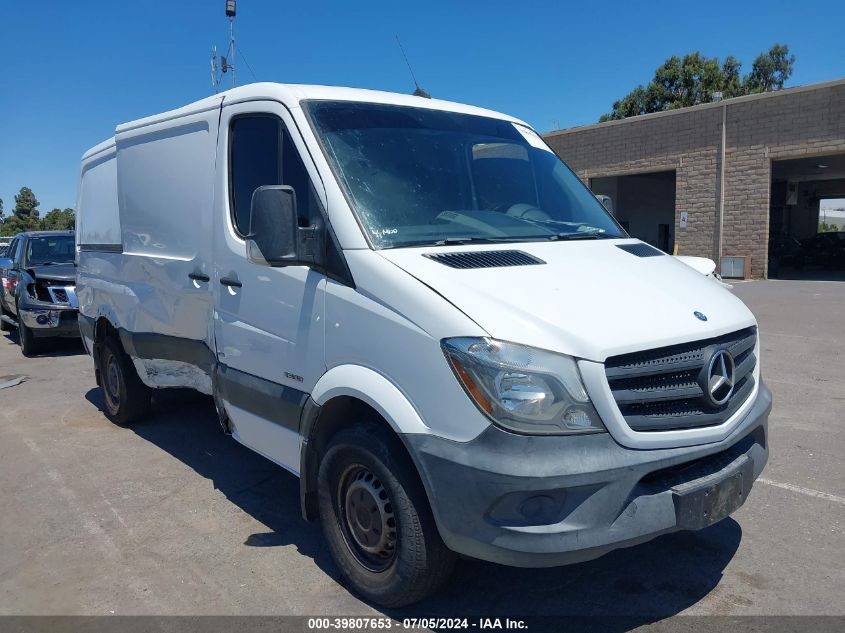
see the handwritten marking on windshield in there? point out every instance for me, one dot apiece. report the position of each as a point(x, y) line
point(382, 232)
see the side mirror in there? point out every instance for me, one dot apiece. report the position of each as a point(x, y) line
point(606, 201)
point(275, 237)
point(5, 262)
point(273, 225)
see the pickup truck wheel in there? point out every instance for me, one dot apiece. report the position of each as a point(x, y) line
point(377, 521)
point(126, 398)
point(29, 344)
point(5, 327)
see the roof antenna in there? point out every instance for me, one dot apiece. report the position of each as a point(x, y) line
point(226, 64)
point(418, 92)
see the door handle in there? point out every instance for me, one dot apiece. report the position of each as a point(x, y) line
point(199, 277)
point(232, 283)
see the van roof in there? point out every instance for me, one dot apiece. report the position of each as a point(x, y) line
point(291, 95)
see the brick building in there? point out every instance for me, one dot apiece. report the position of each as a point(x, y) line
point(740, 174)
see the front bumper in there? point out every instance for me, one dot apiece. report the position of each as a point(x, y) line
point(50, 320)
point(546, 501)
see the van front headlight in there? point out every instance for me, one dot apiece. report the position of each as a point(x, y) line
point(523, 389)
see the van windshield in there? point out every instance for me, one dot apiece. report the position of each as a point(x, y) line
point(419, 177)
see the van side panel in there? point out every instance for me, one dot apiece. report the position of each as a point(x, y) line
point(165, 176)
point(98, 238)
point(98, 198)
point(163, 179)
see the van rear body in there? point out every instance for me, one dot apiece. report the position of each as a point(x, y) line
point(415, 307)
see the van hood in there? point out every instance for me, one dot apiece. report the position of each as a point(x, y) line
point(589, 299)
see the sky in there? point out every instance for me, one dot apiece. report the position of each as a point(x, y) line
point(73, 70)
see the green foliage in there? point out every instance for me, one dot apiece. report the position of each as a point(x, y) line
point(824, 227)
point(25, 216)
point(686, 81)
point(58, 220)
point(770, 70)
point(15, 224)
point(26, 204)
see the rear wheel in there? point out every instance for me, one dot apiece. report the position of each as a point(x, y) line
point(377, 521)
point(127, 399)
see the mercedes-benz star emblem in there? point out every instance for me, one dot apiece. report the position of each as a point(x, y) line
point(718, 383)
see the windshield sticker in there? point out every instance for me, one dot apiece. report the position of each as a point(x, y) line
point(380, 233)
point(532, 137)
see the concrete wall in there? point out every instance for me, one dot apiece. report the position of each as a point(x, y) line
point(791, 123)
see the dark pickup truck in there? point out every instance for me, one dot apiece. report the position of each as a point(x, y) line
point(38, 288)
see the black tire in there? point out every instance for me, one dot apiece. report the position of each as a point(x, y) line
point(406, 560)
point(29, 344)
point(5, 327)
point(126, 398)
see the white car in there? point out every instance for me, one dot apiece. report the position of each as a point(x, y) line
point(419, 310)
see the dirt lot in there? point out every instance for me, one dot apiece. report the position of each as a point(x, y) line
point(173, 517)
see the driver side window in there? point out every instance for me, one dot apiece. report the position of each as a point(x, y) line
point(261, 152)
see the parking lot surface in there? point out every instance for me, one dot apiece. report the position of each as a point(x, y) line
point(173, 517)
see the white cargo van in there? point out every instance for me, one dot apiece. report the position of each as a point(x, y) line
point(419, 310)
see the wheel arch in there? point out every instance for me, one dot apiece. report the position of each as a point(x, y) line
point(345, 396)
point(374, 389)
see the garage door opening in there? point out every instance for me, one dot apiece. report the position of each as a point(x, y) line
point(807, 218)
point(644, 204)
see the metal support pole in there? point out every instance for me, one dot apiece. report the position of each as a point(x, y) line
point(722, 182)
point(232, 48)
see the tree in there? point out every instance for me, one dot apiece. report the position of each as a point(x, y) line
point(14, 225)
point(26, 204)
point(770, 70)
point(58, 220)
point(686, 81)
point(1, 209)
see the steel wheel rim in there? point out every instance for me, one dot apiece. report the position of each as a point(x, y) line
point(367, 518)
point(111, 380)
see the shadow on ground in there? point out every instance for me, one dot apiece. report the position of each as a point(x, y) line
point(645, 583)
point(51, 347)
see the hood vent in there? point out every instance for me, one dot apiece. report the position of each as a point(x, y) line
point(640, 249)
point(485, 259)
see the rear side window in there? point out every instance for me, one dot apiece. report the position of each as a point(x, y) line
point(262, 153)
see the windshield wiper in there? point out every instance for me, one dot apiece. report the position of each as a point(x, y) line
point(52, 263)
point(593, 235)
point(476, 240)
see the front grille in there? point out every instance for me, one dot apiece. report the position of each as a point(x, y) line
point(60, 295)
point(661, 389)
point(47, 292)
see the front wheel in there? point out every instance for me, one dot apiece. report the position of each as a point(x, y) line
point(127, 399)
point(29, 344)
point(377, 521)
